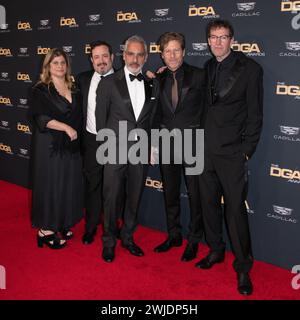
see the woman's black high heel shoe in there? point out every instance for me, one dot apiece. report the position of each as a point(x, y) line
point(67, 234)
point(50, 240)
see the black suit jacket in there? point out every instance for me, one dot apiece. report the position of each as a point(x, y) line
point(83, 82)
point(114, 105)
point(234, 120)
point(190, 110)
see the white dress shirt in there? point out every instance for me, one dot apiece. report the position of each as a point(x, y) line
point(91, 106)
point(136, 90)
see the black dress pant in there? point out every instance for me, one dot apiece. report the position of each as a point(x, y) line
point(123, 183)
point(171, 177)
point(93, 172)
point(226, 175)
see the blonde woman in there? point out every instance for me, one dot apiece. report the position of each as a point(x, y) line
point(56, 162)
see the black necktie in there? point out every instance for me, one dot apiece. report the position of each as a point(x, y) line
point(139, 77)
point(174, 93)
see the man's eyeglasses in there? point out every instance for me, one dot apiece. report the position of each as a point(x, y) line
point(222, 38)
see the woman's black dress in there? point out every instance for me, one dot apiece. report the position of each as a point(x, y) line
point(57, 183)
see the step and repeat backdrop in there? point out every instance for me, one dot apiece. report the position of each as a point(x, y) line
point(267, 31)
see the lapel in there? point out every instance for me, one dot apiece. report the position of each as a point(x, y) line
point(164, 97)
point(123, 90)
point(85, 89)
point(186, 84)
point(237, 69)
point(148, 93)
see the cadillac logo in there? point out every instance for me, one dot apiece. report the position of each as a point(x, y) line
point(94, 17)
point(246, 6)
point(161, 12)
point(293, 46)
point(289, 130)
point(282, 210)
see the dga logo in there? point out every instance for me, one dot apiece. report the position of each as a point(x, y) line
point(68, 50)
point(24, 26)
point(4, 125)
point(24, 128)
point(154, 48)
point(94, 20)
point(246, 9)
point(5, 52)
point(199, 49)
point(23, 52)
point(155, 184)
point(4, 76)
point(23, 153)
point(5, 148)
point(23, 103)
point(282, 213)
point(161, 15)
point(23, 77)
point(288, 90)
point(42, 50)
point(288, 134)
point(44, 24)
point(250, 49)
point(293, 50)
point(130, 17)
point(294, 8)
point(87, 49)
point(6, 101)
point(283, 173)
point(290, 6)
point(68, 22)
point(204, 12)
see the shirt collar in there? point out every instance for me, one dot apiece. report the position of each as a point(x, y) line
point(227, 61)
point(127, 72)
point(96, 74)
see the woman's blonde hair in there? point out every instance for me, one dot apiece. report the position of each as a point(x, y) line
point(45, 76)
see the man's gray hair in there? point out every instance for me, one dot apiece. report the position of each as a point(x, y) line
point(136, 38)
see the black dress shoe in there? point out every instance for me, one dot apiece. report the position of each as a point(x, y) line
point(108, 254)
point(168, 244)
point(211, 259)
point(190, 252)
point(244, 283)
point(88, 237)
point(133, 249)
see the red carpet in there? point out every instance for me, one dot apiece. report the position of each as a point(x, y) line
point(78, 272)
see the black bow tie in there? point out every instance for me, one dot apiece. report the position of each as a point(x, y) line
point(139, 77)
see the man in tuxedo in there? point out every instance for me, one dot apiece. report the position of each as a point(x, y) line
point(124, 96)
point(181, 106)
point(232, 130)
point(101, 58)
